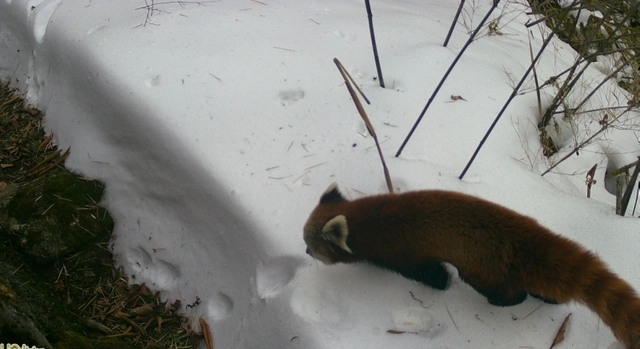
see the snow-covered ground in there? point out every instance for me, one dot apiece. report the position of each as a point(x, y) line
point(216, 125)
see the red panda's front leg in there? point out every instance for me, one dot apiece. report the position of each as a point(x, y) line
point(430, 273)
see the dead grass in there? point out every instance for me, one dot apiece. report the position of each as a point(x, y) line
point(95, 298)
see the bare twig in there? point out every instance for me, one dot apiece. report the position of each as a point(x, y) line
point(633, 213)
point(533, 311)
point(367, 123)
point(535, 79)
point(607, 78)
point(446, 75)
point(513, 94)
point(418, 300)
point(622, 169)
point(151, 7)
point(373, 43)
point(629, 190)
point(452, 320)
point(579, 146)
point(453, 24)
point(590, 180)
point(353, 84)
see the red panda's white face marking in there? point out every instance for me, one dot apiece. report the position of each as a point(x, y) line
point(326, 237)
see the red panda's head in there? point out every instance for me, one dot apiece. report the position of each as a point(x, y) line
point(326, 230)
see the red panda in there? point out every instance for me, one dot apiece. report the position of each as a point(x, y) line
point(502, 254)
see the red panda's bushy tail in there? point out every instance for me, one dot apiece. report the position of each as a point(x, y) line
point(615, 301)
point(581, 276)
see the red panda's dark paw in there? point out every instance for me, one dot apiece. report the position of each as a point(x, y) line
point(504, 300)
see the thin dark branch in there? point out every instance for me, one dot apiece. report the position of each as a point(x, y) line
point(513, 94)
point(612, 74)
point(531, 24)
point(576, 112)
point(629, 190)
point(453, 24)
point(579, 146)
point(352, 81)
point(373, 43)
point(563, 91)
point(535, 79)
point(633, 213)
point(446, 75)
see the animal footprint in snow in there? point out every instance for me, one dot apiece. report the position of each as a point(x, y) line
point(40, 14)
point(156, 272)
point(151, 81)
point(345, 37)
point(415, 320)
point(219, 306)
point(288, 97)
point(319, 306)
point(273, 274)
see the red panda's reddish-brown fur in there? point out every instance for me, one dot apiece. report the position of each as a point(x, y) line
point(499, 252)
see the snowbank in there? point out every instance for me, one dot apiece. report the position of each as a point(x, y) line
point(216, 125)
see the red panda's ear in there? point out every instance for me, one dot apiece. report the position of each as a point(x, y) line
point(336, 232)
point(332, 194)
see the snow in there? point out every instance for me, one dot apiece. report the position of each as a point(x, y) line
point(217, 125)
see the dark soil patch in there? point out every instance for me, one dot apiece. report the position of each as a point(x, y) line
point(58, 285)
